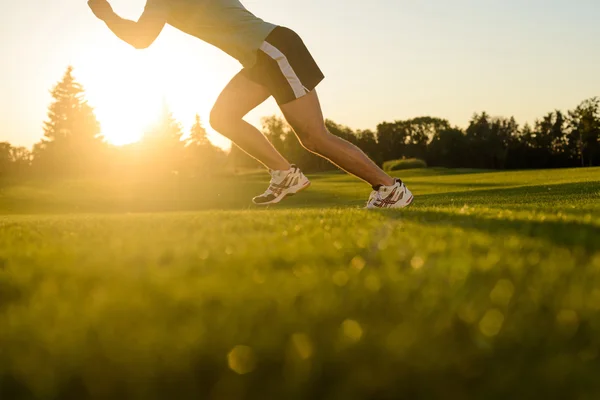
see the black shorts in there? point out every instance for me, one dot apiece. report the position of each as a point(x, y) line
point(285, 66)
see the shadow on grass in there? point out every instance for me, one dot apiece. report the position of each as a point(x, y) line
point(460, 184)
point(440, 171)
point(562, 193)
point(542, 197)
point(562, 233)
point(567, 233)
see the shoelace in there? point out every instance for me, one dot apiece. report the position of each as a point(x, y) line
point(374, 196)
point(271, 183)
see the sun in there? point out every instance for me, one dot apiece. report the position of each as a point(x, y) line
point(128, 88)
point(125, 97)
point(128, 95)
point(124, 120)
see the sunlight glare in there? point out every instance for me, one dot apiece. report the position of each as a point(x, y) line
point(128, 88)
point(125, 92)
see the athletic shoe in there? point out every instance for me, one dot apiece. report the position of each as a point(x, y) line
point(283, 183)
point(395, 196)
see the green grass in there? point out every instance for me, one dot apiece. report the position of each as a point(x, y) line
point(488, 287)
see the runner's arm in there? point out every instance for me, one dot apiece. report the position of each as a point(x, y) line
point(140, 34)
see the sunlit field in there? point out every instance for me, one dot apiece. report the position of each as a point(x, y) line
point(488, 287)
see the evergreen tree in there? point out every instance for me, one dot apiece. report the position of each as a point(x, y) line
point(72, 143)
point(201, 156)
point(161, 146)
point(165, 131)
point(198, 135)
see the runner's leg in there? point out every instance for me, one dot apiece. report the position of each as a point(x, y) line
point(240, 96)
point(306, 118)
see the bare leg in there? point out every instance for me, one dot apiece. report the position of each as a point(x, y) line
point(306, 118)
point(239, 97)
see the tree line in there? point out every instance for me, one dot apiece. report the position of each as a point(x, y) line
point(557, 140)
point(72, 144)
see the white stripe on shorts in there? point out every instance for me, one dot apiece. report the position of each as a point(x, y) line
point(286, 68)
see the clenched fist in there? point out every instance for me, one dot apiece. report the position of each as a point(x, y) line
point(101, 9)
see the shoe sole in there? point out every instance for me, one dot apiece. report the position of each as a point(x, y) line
point(286, 193)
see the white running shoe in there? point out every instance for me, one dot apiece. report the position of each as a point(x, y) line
point(395, 196)
point(283, 183)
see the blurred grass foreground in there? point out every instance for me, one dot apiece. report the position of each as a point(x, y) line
point(487, 288)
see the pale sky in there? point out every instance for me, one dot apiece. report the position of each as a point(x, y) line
point(383, 60)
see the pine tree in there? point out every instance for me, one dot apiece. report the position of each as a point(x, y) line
point(198, 135)
point(166, 131)
point(72, 143)
point(202, 157)
point(162, 145)
point(70, 116)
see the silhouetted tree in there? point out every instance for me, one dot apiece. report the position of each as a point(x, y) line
point(489, 140)
point(72, 144)
point(285, 141)
point(21, 160)
point(239, 160)
point(448, 148)
point(161, 148)
point(5, 161)
point(584, 138)
point(367, 141)
point(408, 138)
point(545, 145)
point(392, 138)
point(342, 131)
point(277, 131)
point(201, 156)
point(14, 162)
point(198, 135)
point(421, 131)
